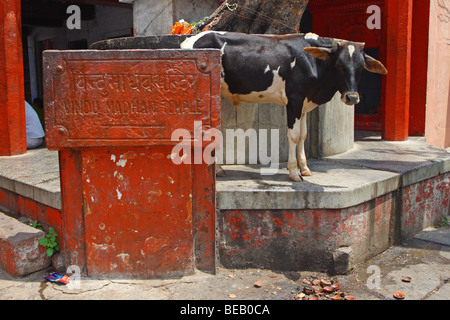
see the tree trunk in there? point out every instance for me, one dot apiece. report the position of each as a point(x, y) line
point(258, 16)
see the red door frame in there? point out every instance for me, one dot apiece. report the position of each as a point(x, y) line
point(419, 67)
point(394, 40)
point(346, 19)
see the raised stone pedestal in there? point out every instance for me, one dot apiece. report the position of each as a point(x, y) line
point(128, 210)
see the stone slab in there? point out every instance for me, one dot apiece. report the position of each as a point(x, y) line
point(414, 159)
point(34, 175)
point(422, 285)
point(141, 42)
point(332, 186)
point(440, 236)
point(19, 247)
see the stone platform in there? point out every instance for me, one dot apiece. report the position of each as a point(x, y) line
point(356, 205)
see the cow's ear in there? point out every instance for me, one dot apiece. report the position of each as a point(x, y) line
point(374, 65)
point(319, 52)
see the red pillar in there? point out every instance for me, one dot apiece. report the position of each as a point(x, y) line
point(398, 62)
point(12, 96)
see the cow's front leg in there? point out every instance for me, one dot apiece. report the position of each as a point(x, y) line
point(293, 135)
point(301, 157)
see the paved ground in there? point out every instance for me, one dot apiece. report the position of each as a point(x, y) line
point(424, 258)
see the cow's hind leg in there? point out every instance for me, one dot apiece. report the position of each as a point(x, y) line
point(293, 139)
point(301, 157)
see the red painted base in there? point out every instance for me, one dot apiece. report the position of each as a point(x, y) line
point(145, 221)
point(313, 239)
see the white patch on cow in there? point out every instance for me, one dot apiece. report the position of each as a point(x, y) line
point(190, 41)
point(294, 133)
point(267, 69)
point(293, 63)
point(351, 50)
point(222, 50)
point(311, 35)
point(113, 158)
point(308, 106)
point(275, 93)
point(119, 194)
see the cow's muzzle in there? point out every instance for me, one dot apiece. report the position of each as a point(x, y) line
point(350, 98)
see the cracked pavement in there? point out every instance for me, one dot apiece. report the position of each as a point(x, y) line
point(425, 258)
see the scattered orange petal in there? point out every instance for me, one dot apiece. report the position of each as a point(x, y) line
point(399, 295)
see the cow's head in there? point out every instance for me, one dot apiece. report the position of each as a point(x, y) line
point(347, 62)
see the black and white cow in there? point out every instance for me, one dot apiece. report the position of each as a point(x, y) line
point(298, 71)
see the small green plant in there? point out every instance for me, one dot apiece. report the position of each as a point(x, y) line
point(36, 224)
point(50, 242)
point(443, 223)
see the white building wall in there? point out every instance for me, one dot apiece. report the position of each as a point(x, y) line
point(155, 17)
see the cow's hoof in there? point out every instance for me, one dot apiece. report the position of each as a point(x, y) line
point(220, 173)
point(306, 173)
point(295, 178)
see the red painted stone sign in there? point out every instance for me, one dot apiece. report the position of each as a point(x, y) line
point(124, 98)
point(128, 209)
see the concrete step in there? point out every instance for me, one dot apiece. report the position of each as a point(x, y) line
point(20, 252)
